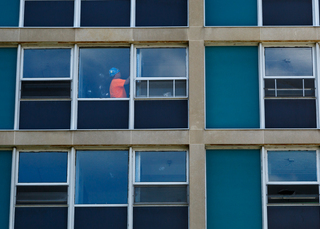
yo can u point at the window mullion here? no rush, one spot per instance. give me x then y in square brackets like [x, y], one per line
[130, 190]
[71, 192]
[77, 13]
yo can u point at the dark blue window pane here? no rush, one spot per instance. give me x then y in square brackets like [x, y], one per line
[103, 114]
[5, 187]
[36, 167]
[292, 166]
[161, 114]
[45, 89]
[49, 13]
[45, 114]
[101, 177]
[293, 217]
[94, 66]
[46, 63]
[160, 166]
[287, 12]
[41, 218]
[102, 13]
[100, 218]
[290, 113]
[160, 217]
[161, 12]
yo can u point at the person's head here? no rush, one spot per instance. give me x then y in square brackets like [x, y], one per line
[114, 72]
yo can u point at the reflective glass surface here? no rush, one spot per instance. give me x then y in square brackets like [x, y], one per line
[166, 166]
[45, 89]
[288, 62]
[181, 88]
[292, 166]
[43, 167]
[141, 88]
[94, 66]
[293, 194]
[161, 62]
[101, 177]
[46, 63]
[161, 88]
[160, 194]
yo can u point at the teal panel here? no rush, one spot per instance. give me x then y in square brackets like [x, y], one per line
[8, 59]
[9, 13]
[232, 87]
[231, 12]
[5, 184]
[233, 189]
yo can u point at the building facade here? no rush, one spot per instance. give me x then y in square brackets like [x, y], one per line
[217, 124]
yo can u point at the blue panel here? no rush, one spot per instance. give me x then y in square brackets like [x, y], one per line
[160, 217]
[49, 13]
[41, 218]
[161, 114]
[100, 218]
[161, 12]
[42, 167]
[46, 63]
[5, 185]
[233, 189]
[293, 217]
[103, 114]
[8, 60]
[101, 177]
[9, 13]
[45, 114]
[231, 12]
[101, 13]
[290, 113]
[232, 87]
[161, 166]
[292, 166]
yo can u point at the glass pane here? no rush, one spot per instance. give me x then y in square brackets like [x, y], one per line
[94, 78]
[181, 88]
[160, 194]
[100, 218]
[45, 89]
[42, 195]
[292, 166]
[49, 13]
[101, 177]
[309, 83]
[289, 93]
[287, 12]
[161, 88]
[101, 13]
[43, 167]
[288, 61]
[269, 83]
[293, 194]
[161, 62]
[43, 217]
[46, 63]
[161, 12]
[165, 166]
[289, 83]
[141, 87]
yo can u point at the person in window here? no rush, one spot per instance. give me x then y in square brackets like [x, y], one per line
[117, 89]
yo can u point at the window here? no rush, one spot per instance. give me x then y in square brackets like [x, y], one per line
[87, 189]
[41, 199]
[161, 88]
[289, 87]
[45, 89]
[98, 13]
[292, 187]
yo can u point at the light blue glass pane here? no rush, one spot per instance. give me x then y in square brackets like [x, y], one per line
[231, 12]
[288, 61]
[5, 187]
[9, 13]
[94, 66]
[292, 166]
[161, 62]
[233, 189]
[8, 62]
[46, 63]
[232, 87]
[160, 166]
[101, 177]
[43, 167]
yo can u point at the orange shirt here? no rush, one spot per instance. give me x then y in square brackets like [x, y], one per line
[117, 89]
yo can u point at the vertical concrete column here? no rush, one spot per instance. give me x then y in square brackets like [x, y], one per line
[196, 13]
[197, 213]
